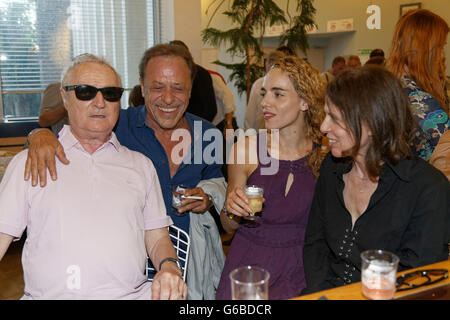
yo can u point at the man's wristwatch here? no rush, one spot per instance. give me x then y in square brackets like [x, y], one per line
[177, 262]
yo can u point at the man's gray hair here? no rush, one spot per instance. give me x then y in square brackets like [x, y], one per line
[82, 58]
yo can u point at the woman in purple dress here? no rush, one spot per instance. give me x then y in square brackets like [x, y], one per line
[285, 163]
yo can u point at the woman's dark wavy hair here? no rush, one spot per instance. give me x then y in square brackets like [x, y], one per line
[374, 96]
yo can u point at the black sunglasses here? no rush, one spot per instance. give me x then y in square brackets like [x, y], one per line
[405, 280]
[85, 92]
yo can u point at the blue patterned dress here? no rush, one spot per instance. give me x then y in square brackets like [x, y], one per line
[430, 116]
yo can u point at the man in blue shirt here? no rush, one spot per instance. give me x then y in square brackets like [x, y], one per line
[166, 75]
[173, 140]
[134, 132]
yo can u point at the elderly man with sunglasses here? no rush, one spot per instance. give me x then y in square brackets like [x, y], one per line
[89, 232]
[174, 140]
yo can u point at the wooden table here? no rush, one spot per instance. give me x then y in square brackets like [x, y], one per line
[5, 158]
[353, 291]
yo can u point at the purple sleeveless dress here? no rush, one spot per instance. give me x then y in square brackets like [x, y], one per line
[276, 242]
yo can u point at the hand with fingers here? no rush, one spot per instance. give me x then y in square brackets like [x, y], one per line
[43, 148]
[195, 205]
[169, 285]
[237, 203]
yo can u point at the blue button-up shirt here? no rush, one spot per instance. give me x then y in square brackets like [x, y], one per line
[133, 131]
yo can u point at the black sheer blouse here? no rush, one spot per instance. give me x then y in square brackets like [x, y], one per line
[408, 214]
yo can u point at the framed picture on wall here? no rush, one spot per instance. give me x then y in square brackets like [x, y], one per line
[404, 8]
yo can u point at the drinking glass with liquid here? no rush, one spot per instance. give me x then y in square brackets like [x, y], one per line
[378, 274]
[255, 200]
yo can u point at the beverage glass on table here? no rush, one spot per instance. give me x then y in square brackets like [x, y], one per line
[255, 200]
[378, 274]
[249, 283]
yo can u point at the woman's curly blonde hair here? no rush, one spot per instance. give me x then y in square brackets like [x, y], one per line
[310, 87]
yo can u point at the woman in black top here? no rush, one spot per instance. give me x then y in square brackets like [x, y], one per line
[371, 192]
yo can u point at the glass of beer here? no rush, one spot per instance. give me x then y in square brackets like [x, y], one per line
[378, 274]
[255, 200]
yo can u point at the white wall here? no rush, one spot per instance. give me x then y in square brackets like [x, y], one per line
[364, 38]
[323, 50]
[188, 19]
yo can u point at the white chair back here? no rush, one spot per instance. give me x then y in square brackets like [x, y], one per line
[181, 243]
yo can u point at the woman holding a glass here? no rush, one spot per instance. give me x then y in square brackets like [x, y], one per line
[285, 169]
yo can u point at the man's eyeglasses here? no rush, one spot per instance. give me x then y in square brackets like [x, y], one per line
[420, 278]
[85, 92]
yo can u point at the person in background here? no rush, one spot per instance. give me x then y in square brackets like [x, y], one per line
[292, 103]
[166, 73]
[224, 118]
[377, 61]
[353, 62]
[85, 239]
[417, 58]
[337, 66]
[440, 157]
[52, 112]
[136, 98]
[376, 53]
[202, 101]
[372, 192]
[254, 118]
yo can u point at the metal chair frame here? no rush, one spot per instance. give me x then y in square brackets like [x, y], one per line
[181, 242]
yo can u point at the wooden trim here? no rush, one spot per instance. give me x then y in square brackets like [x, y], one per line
[12, 142]
[353, 291]
[14, 150]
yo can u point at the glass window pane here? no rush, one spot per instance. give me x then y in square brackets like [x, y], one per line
[39, 37]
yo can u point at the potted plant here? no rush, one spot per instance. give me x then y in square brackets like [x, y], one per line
[250, 18]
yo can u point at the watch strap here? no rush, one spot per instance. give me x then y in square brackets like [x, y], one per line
[177, 262]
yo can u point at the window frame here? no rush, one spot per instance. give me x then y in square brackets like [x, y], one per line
[20, 126]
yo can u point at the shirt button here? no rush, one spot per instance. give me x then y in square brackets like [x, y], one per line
[344, 242]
